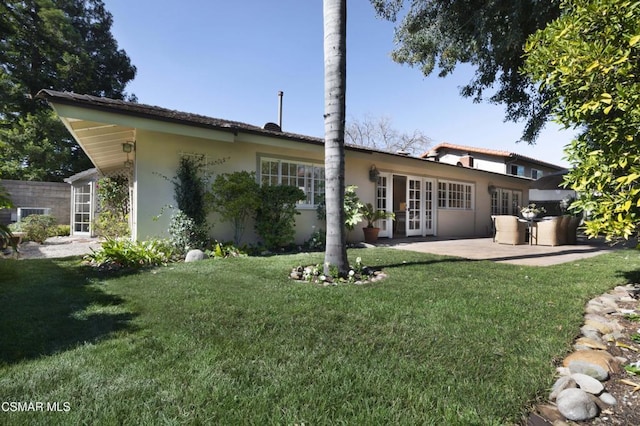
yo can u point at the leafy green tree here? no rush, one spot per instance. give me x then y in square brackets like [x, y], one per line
[52, 44]
[589, 59]
[235, 196]
[489, 35]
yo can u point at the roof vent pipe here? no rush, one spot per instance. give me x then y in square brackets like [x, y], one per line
[280, 94]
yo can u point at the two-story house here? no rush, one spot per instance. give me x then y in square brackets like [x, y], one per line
[506, 200]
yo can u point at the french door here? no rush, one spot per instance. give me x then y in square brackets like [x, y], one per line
[415, 216]
[384, 196]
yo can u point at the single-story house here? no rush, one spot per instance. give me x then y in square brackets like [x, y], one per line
[429, 198]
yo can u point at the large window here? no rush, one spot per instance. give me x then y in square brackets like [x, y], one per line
[455, 195]
[308, 177]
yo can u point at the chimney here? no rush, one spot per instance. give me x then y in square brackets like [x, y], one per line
[280, 95]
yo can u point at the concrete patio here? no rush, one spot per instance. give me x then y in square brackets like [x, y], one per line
[487, 249]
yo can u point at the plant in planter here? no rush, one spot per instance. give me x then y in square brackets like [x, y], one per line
[371, 215]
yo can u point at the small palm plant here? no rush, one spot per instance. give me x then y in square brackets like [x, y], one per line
[372, 215]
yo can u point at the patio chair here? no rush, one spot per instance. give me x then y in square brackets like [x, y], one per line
[509, 230]
[572, 230]
[548, 231]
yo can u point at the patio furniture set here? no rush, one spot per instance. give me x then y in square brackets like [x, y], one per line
[548, 231]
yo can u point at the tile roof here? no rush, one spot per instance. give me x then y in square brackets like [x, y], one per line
[491, 152]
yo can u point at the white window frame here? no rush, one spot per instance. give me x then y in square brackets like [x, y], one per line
[538, 173]
[520, 171]
[446, 189]
[312, 182]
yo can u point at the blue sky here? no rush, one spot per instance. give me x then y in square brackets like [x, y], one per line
[229, 59]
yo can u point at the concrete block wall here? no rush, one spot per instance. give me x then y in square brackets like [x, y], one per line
[53, 195]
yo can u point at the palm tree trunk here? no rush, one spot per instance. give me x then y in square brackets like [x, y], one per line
[335, 77]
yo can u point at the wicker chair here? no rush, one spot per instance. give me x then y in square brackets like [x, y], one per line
[547, 231]
[509, 230]
[572, 230]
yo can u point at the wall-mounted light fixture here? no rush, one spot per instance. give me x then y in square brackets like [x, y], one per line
[373, 173]
[127, 147]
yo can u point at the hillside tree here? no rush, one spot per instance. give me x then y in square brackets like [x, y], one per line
[379, 133]
[488, 35]
[63, 45]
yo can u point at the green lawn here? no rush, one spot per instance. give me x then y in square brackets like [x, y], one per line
[441, 341]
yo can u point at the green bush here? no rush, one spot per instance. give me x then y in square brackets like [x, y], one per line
[109, 225]
[235, 196]
[124, 253]
[275, 217]
[39, 227]
[62, 231]
[186, 234]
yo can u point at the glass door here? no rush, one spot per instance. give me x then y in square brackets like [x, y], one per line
[82, 209]
[383, 202]
[414, 206]
[428, 207]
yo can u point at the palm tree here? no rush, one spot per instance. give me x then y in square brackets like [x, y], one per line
[335, 81]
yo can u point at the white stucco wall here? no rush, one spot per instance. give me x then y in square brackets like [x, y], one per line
[157, 155]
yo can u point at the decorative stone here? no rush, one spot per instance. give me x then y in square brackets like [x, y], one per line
[565, 382]
[608, 399]
[550, 413]
[597, 364]
[587, 383]
[563, 371]
[576, 405]
[195, 255]
[589, 343]
[590, 332]
[602, 327]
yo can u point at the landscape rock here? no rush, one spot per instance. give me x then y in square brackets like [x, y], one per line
[597, 364]
[576, 405]
[195, 255]
[589, 343]
[588, 383]
[608, 399]
[565, 382]
[590, 332]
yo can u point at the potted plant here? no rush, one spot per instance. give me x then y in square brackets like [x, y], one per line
[531, 211]
[371, 215]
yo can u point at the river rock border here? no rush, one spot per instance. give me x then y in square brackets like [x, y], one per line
[580, 393]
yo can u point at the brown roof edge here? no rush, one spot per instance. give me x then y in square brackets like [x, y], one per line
[163, 114]
[494, 152]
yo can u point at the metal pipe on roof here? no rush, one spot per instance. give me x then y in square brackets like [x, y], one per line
[280, 95]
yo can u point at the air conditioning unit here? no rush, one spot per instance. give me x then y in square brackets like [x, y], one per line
[28, 211]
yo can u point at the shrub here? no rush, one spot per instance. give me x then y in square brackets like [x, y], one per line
[235, 196]
[109, 225]
[317, 241]
[38, 227]
[62, 231]
[275, 217]
[189, 187]
[186, 234]
[352, 208]
[124, 253]
[113, 195]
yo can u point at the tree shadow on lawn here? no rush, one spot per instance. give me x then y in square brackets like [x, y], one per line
[46, 308]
